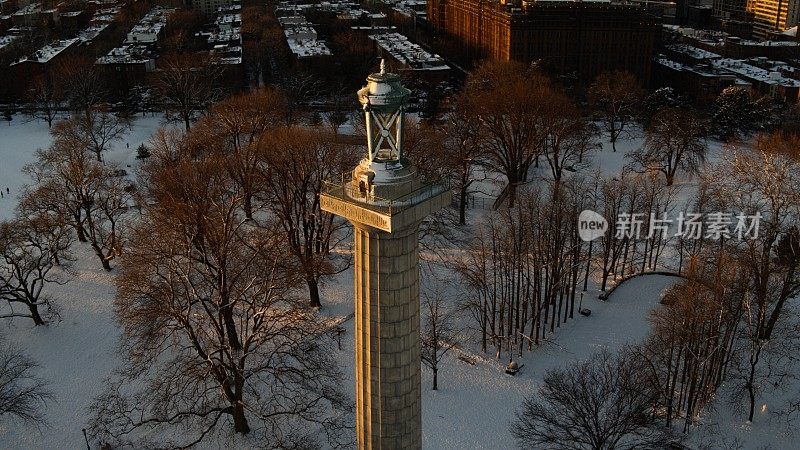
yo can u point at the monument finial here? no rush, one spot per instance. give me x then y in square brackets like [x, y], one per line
[383, 66]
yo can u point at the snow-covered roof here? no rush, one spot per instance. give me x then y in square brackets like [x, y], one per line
[702, 70]
[304, 48]
[228, 19]
[693, 52]
[409, 53]
[351, 14]
[106, 14]
[148, 29]
[302, 37]
[50, 51]
[743, 69]
[91, 32]
[32, 8]
[6, 40]
[127, 54]
[332, 6]
[410, 8]
[740, 67]
[222, 36]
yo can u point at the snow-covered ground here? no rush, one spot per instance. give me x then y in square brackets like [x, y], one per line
[473, 408]
[77, 351]
[20, 139]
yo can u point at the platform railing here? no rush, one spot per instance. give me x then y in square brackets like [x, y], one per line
[343, 189]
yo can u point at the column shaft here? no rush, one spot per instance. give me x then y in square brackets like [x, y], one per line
[388, 410]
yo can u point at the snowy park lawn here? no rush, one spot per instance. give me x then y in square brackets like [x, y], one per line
[476, 401]
[78, 351]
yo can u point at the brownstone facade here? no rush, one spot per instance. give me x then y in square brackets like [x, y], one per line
[584, 38]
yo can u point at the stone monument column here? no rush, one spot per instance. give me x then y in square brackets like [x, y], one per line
[385, 199]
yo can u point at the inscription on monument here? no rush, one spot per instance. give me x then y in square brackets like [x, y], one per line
[354, 213]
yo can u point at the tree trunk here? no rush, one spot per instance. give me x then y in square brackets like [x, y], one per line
[37, 318]
[313, 292]
[512, 193]
[462, 207]
[103, 260]
[435, 378]
[79, 228]
[248, 206]
[240, 424]
[751, 389]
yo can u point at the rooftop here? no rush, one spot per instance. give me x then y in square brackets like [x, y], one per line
[302, 37]
[739, 67]
[127, 54]
[91, 32]
[148, 29]
[106, 14]
[693, 52]
[50, 51]
[29, 9]
[6, 40]
[409, 53]
[751, 72]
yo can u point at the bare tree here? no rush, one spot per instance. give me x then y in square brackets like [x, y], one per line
[105, 217]
[522, 269]
[88, 196]
[81, 82]
[616, 96]
[64, 179]
[460, 154]
[438, 335]
[300, 88]
[675, 140]
[45, 100]
[297, 163]
[771, 256]
[569, 137]
[188, 85]
[505, 96]
[605, 402]
[31, 250]
[95, 130]
[216, 341]
[22, 393]
[234, 127]
[691, 345]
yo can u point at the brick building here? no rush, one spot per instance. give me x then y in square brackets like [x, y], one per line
[584, 38]
[773, 15]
